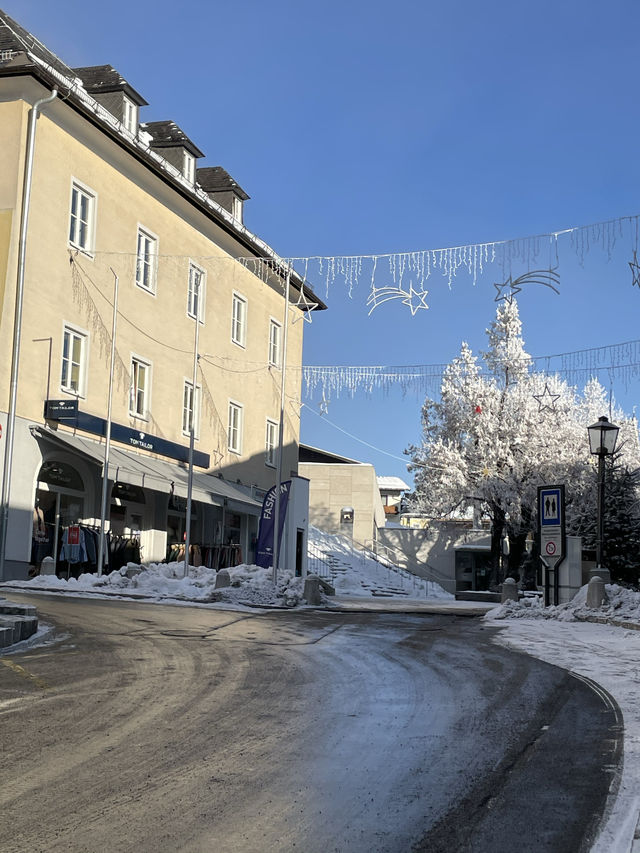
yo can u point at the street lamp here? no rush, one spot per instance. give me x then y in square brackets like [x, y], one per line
[602, 442]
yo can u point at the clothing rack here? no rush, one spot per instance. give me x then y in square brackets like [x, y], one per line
[210, 556]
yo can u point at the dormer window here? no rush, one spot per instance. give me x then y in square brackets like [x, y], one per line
[129, 115]
[236, 207]
[189, 167]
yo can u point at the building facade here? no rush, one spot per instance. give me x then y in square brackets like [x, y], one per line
[118, 211]
[343, 495]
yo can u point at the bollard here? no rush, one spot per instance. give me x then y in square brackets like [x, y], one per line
[596, 595]
[311, 592]
[222, 578]
[509, 590]
[47, 566]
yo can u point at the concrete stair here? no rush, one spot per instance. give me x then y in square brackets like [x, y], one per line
[17, 622]
[338, 567]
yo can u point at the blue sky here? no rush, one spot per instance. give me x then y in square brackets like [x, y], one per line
[370, 128]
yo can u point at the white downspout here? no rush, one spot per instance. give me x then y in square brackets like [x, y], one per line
[17, 324]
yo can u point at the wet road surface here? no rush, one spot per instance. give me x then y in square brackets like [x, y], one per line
[157, 728]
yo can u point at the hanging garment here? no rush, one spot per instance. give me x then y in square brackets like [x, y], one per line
[73, 552]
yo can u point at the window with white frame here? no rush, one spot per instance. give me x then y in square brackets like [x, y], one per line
[74, 357]
[235, 427]
[82, 217]
[140, 387]
[196, 292]
[236, 207]
[189, 167]
[275, 337]
[146, 260]
[271, 443]
[190, 409]
[239, 320]
[129, 115]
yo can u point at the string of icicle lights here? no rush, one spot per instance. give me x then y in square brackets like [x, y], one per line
[415, 268]
[619, 362]
[410, 272]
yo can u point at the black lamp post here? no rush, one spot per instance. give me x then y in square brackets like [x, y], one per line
[602, 442]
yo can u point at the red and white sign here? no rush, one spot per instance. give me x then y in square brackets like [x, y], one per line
[550, 548]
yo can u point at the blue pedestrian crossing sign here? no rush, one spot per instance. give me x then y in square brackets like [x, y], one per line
[551, 519]
[550, 507]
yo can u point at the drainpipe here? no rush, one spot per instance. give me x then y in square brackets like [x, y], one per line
[17, 324]
[283, 385]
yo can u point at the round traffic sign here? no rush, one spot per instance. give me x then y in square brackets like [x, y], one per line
[550, 548]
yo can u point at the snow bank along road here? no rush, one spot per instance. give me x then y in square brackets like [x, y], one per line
[157, 728]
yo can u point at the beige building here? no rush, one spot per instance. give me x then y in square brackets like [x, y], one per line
[343, 495]
[113, 201]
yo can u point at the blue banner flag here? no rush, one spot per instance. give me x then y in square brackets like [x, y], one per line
[264, 545]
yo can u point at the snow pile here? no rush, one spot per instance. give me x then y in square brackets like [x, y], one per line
[251, 585]
[622, 605]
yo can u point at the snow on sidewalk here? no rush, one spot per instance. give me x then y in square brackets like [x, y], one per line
[608, 655]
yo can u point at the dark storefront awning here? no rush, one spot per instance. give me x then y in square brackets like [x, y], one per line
[149, 473]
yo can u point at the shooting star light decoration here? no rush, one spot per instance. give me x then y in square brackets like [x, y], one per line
[548, 278]
[415, 299]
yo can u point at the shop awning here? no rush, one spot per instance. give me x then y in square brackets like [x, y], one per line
[150, 473]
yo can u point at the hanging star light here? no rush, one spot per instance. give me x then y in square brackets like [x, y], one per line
[546, 400]
[306, 307]
[324, 405]
[635, 269]
[548, 278]
[217, 457]
[415, 299]
[506, 297]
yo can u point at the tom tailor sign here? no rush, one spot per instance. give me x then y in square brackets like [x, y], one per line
[125, 435]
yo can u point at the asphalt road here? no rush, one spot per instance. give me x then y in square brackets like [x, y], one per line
[156, 728]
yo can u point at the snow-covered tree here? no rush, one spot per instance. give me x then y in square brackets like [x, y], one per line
[498, 433]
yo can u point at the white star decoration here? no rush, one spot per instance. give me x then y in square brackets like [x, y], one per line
[305, 305]
[546, 400]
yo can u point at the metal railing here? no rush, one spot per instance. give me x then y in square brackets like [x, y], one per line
[318, 562]
[325, 564]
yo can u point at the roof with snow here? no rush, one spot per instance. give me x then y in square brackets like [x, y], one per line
[392, 484]
[167, 134]
[15, 40]
[215, 179]
[104, 78]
